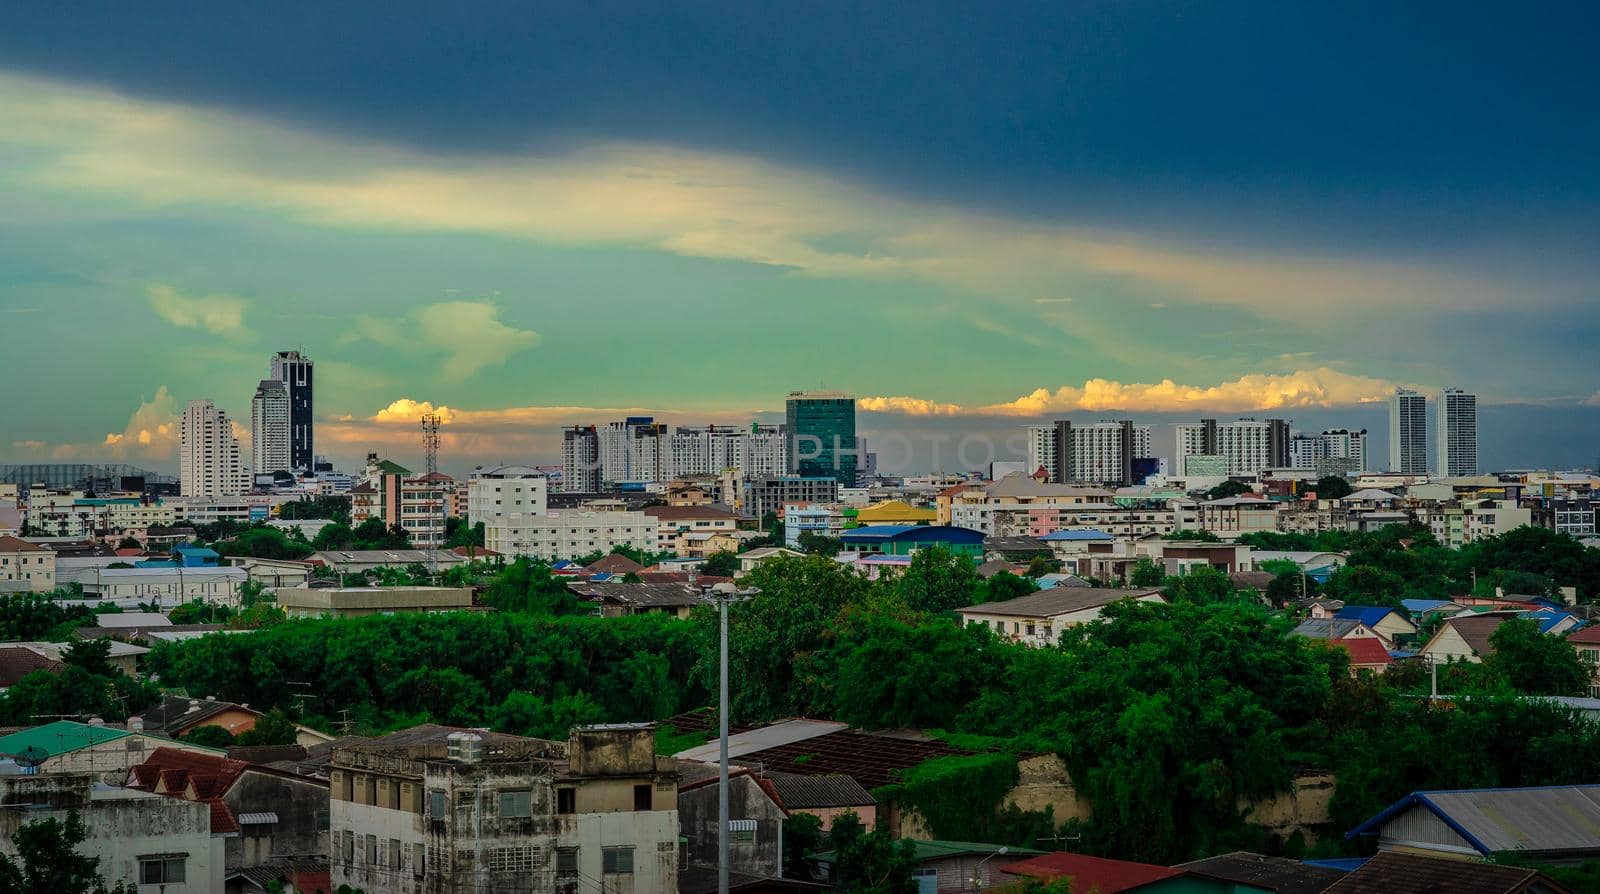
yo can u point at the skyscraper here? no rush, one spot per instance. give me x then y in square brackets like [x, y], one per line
[294, 371]
[1102, 452]
[1458, 433]
[1247, 445]
[1408, 433]
[208, 454]
[822, 433]
[269, 428]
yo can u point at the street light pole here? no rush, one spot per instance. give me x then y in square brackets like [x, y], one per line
[722, 594]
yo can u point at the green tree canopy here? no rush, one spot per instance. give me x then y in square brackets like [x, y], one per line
[1534, 663]
[937, 580]
[48, 861]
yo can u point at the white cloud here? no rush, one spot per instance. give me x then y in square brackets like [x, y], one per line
[1592, 400]
[468, 334]
[217, 314]
[700, 204]
[1321, 387]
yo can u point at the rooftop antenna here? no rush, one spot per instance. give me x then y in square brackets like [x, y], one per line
[430, 441]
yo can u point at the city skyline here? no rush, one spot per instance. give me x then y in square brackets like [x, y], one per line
[1143, 230]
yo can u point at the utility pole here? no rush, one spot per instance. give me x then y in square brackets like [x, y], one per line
[722, 594]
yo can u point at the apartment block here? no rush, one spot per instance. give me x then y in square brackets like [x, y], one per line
[569, 533]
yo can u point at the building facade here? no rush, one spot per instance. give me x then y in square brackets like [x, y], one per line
[1102, 452]
[1457, 442]
[769, 494]
[494, 492]
[270, 439]
[1408, 432]
[822, 432]
[208, 453]
[24, 561]
[580, 459]
[1314, 452]
[295, 371]
[1247, 445]
[569, 533]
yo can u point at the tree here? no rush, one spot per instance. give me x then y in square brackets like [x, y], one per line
[332, 508]
[937, 580]
[129, 543]
[1332, 487]
[263, 543]
[1039, 566]
[1534, 663]
[48, 861]
[1366, 585]
[93, 656]
[1203, 585]
[802, 837]
[1228, 488]
[458, 533]
[907, 670]
[1146, 573]
[272, 728]
[1002, 586]
[211, 736]
[869, 862]
[819, 545]
[722, 563]
[1199, 536]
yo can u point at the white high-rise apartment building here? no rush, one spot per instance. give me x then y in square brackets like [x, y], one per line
[1408, 433]
[580, 459]
[764, 450]
[1102, 452]
[711, 449]
[1042, 449]
[1247, 445]
[503, 490]
[269, 428]
[633, 449]
[1458, 433]
[1306, 451]
[208, 454]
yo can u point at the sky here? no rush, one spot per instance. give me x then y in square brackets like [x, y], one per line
[971, 216]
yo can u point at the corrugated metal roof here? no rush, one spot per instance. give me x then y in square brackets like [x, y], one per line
[800, 792]
[1058, 601]
[1546, 818]
[750, 741]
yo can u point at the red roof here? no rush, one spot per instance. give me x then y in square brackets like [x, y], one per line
[472, 551]
[9, 544]
[1590, 634]
[1092, 873]
[613, 563]
[222, 818]
[1365, 651]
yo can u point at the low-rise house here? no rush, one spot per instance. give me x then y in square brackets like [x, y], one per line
[28, 562]
[120, 655]
[166, 586]
[1587, 643]
[619, 599]
[675, 523]
[272, 814]
[1336, 629]
[1465, 638]
[1315, 563]
[749, 559]
[895, 512]
[276, 572]
[18, 661]
[1231, 517]
[949, 867]
[433, 808]
[66, 746]
[615, 564]
[1389, 623]
[1558, 824]
[1069, 543]
[824, 797]
[176, 716]
[150, 842]
[1251, 872]
[351, 602]
[1103, 876]
[755, 819]
[359, 561]
[1039, 618]
[1015, 548]
[903, 540]
[1367, 654]
[1397, 873]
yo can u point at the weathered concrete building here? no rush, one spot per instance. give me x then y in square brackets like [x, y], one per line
[433, 810]
[151, 842]
[350, 602]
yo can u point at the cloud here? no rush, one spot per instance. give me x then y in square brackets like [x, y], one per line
[29, 445]
[468, 334]
[1321, 387]
[151, 432]
[1592, 400]
[216, 314]
[700, 204]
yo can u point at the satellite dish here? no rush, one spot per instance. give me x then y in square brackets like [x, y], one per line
[31, 757]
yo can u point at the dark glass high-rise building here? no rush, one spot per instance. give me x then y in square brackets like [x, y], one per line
[822, 436]
[295, 372]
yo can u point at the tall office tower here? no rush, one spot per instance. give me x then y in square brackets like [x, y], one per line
[1246, 445]
[1102, 453]
[1408, 433]
[1458, 433]
[270, 449]
[822, 435]
[1042, 450]
[208, 454]
[580, 459]
[294, 371]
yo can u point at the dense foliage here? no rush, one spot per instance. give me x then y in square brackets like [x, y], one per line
[48, 861]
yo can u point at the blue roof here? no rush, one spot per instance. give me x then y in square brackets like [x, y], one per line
[155, 563]
[204, 552]
[912, 533]
[1548, 619]
[1343, 864]
[1366, 614]
[1090, 534]
[600, 576]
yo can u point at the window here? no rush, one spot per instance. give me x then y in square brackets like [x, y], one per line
[516, 804]
[162, 869]
[394, 853]
[616, 861]
[135, 743]
[742, 831]
[349, 846]
[372, 850]
[418, 862]
[437, 805]
[566, 862]
[566, 801]
[641, 797]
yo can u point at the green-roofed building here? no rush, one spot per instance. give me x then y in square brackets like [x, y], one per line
[66, 746]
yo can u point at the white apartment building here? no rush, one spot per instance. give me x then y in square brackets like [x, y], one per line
[1101, 452]
[1457, 442]
[433, 809]
[1042, 449]
[269, 427]
[569, 533]
[1307, 451]
[580, 459]
[494, 492]
[165, 586]
[208, 453]
[633, 449]
[208, 510]
[711, 449]
[1408, 432]
[1247, 445]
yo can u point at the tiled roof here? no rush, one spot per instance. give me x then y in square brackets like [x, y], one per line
[1093, 873]
[1476, 630]
[1058, 601]
[10, 544]
[869, 759]
[1365, 650]
[17, 662]
[801, 792]
[1590, 635]
[654, 595]
[1392, 873]
[1276, 874]
[614, 563]
[215, 770]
